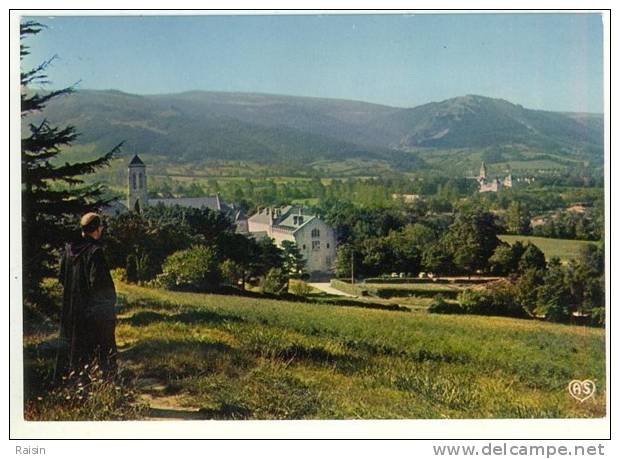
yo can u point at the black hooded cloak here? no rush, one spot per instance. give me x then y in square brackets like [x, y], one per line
[88, 318]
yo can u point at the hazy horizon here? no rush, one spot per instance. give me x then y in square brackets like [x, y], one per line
[249, 93]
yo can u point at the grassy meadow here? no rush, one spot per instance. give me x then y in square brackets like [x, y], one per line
[564, 249]
[226, 357]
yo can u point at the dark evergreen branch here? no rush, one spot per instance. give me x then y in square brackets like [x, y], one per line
[89, 166]
[45, 138]
[30, 28]
[40, 176]
[36, 101]
[39, 157]
[46, 199]
[35, 74]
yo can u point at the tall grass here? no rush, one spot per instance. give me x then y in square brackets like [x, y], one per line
[249, 358]
[84, 395]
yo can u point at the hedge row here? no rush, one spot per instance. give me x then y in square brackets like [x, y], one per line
[396, 292]
[364, 290]
[417, 280]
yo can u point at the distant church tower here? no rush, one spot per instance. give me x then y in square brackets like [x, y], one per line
[483, 171]
[136, 184]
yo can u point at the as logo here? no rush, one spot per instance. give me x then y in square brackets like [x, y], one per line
[581, 390]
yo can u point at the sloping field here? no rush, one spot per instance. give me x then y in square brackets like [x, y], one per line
[564, 249]
[243, 358]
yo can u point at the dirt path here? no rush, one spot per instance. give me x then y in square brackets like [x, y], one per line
[327, 288]
[165, 407]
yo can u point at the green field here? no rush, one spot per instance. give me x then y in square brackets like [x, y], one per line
[564, 249]
[225, 357]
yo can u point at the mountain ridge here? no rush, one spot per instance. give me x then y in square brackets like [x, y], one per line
[323, 98]
[261, 127]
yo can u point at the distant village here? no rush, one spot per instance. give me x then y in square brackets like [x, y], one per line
[317, 241]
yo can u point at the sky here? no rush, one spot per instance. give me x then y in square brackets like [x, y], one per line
[541, 61]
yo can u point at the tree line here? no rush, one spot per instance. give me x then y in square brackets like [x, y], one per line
[381, 242]
[517, 208]
[193, 249]
[534, 288]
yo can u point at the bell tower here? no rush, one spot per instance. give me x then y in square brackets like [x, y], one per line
[483, 171]
[136, 184]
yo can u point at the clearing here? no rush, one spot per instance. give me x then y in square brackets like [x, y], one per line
[564, 249]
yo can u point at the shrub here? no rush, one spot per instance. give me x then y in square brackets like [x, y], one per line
[143, 267]
[503, 261]
[231, 272]
[532, 258]
[554, 296]
[194, 269]
[274, 281]
[44, 314]
[526, 290]
[300, 288]
[49, 301]
[475, 302]
[598, 316]
[119, 274]
[441, 306]
[496, 299]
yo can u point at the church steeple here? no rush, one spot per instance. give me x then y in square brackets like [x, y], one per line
[136, 161]
[483, 171]
[137, 197]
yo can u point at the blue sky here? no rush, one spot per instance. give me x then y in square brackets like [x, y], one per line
[543, 61]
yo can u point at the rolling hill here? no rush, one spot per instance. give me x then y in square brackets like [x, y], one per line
[199, 125]
[477, 122]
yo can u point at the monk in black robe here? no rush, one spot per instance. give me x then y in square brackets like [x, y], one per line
[88, 319]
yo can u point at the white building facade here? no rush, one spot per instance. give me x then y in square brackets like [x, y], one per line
[315, 239]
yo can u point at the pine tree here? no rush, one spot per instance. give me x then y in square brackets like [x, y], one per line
[53, 195]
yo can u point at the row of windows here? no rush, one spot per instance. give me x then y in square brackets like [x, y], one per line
[316, 245]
